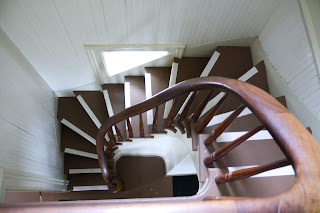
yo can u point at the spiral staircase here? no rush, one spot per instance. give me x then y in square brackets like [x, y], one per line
[209, 117]
[153, 136]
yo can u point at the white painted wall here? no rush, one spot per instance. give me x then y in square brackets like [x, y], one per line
[278, 87]
[29, 153]
[51, 34]
[285, 41]
[310, 10]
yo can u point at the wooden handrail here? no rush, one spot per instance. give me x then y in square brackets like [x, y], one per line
[223, 126]
[227, 148]
[224, 198]
[245, 173]
[295, 141]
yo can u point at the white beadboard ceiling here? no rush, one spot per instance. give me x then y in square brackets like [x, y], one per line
[52, 33]
[286, 43]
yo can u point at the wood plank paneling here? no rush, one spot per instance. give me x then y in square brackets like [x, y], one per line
[51, 34]
[29, 146]
[285, 41]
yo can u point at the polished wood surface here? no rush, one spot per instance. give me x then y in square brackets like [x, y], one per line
[187, 107]
[227, 148]
[120, 138]
[225, 124]
[201, 106]
[245, 173]
[141, 127]
[170, 115]
[130, 132]
[223, 198]
[111, 137]
[155, 120]
[295, 141]
[212, 112]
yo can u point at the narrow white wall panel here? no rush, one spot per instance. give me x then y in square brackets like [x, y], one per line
[51, 34]
[286, 43]
[27, 124]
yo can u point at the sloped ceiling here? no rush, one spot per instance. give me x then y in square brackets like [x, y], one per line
[51, 33]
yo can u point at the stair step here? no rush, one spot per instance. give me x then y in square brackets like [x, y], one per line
[260, 79]
[72, 140]
[70, 109]
[159, 80]
[116, 96]
[244, 122]
[233, 63]
[150, 176]
[95, 101]
[189, 67]
[252, 152]
[137, 94]
[78, 162]
[90, 179]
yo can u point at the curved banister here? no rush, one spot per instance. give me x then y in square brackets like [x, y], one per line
[296, 142]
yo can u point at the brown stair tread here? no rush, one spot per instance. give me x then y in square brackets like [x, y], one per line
[159, 81]
[72, 140]
[251, 152]
[70, 109]
[233, 62]
[260, 79]
[243, 123]
[78, 162]
[116, 95]
[137, 95]
[95, 101]
[188, 68]
[153, 171]
[90, 179]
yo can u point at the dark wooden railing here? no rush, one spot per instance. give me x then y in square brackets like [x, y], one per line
[226, 148]
[244, 173]
[201, 106]
[130, 132]
[296, 142]
[300, 148]
[203, 123]
[223, 126]
[141, 127]
[155, 121]
[120, 138]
